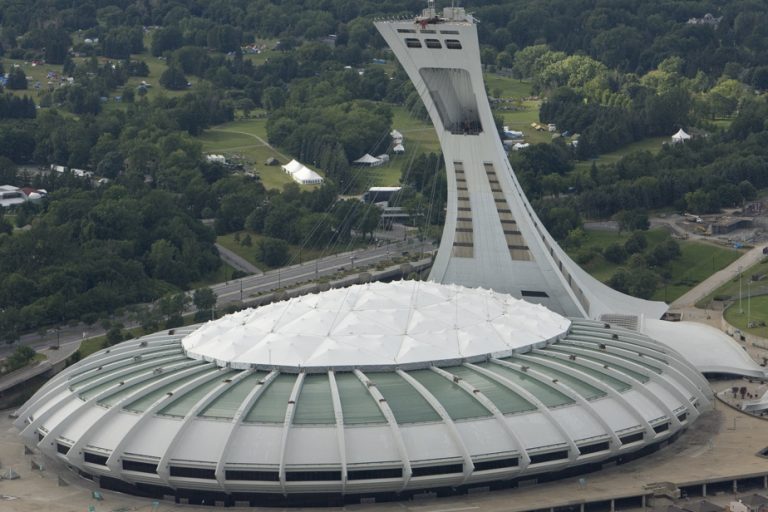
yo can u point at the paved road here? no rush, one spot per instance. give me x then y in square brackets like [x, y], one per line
[242, 289]
[718, 279]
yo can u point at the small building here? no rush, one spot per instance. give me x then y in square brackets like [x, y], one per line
[219, 159]
[11, 196]
[381, 194]
[399, 149]
[726, 225]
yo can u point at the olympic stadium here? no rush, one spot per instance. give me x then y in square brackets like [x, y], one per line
[508, 366]
[377, 390]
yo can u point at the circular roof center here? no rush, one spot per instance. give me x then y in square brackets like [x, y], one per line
[404, 324]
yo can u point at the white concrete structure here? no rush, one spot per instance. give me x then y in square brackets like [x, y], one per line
[492, 237]
[708, 349]
[372, 389]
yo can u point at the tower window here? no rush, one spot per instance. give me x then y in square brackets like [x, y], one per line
[412, 42]
[453, 44]
[433, 43]
[406, 31]
[533, 293]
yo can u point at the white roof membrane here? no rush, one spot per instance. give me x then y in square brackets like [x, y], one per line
[407, 323]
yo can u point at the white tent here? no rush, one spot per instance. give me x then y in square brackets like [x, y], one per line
[398, 149]
[292, 166]
[301, 173]
[369, 160]
[396, 134]
[307, 176]
[680, 136]
[383, 157]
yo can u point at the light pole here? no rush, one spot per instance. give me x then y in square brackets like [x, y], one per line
[749, 302]
[741, 308]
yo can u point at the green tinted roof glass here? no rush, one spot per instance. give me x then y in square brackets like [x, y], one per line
[315, 405]
[143, 403]
[505, 399]
[578, 385]
[357, 405]
[125, 391]
[406, 403]
[458, 403]
[273, 402]
[548, 395]
[184, 404]
[226, 404]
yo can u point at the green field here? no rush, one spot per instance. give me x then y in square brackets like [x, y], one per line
[697, 261]
[753, 310]
[246, 140]
[730, 290]
[506, 87]
[652, 144]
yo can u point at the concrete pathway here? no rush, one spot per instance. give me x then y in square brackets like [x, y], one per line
[238, 261]
[717, 279]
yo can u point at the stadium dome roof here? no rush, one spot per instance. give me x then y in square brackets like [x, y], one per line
[405, 324]
[529, 392]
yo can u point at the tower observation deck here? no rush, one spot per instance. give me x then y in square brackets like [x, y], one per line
[492, 237]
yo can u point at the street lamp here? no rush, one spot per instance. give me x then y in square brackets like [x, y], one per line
[741, 308]
[749, 302]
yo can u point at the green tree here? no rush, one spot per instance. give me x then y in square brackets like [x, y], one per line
[615, 253]
[204, 300]
[17, 79]
[173, 79]
[636, 243]
[273, 251]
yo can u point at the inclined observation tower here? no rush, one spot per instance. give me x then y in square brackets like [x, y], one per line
[492, 237]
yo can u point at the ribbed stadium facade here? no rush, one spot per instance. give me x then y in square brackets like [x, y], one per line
[376, 391]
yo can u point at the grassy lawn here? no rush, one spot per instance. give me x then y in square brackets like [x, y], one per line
[418, 135]
[730, 290]
[753, 310]
[521, 120]
[247, 140]
[507, 86]
[599, 267]
[652, 144]
[697, 260]
[296, 253]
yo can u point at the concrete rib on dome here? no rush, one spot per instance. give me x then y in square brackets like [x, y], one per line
[405, 324]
